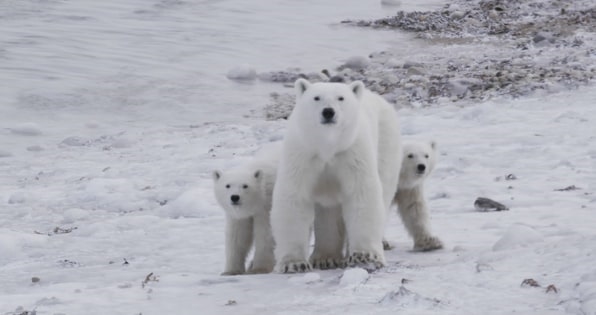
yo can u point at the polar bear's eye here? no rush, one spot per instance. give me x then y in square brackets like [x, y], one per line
[410, 156]
[426, 156]
[244, 186]
[317, 98]
[341, 98]
[228, 186]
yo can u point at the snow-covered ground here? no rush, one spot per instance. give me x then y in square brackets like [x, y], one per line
[106, 202]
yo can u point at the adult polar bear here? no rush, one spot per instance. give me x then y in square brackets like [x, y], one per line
[341, 156]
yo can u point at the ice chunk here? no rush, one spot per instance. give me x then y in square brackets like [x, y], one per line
[26, 129]
[354, 276]
[242, 73]
[307, 278]
[517, 236]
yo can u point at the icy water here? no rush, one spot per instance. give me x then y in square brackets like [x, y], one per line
[166, 60]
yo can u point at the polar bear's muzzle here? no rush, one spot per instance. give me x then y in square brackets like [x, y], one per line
[327, 116]
[420, 169]
[235, 200]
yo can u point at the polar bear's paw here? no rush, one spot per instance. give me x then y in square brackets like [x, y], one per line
[232, 273]
[294, 266]
[427, 243]
[368, 261]
[324, 263]
[258, 270]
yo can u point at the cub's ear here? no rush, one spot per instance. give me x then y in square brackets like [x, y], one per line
[301, 85]
[258, 174]
[357, 88]
[216, 175]
[433, 144]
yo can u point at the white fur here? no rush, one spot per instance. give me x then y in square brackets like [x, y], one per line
[412, 205]
[248, 221]
[346, 169]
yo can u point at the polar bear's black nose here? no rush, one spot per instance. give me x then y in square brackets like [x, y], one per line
[421, 167]
[235, 198]
[328, 113]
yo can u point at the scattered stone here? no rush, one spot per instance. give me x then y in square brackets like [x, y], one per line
[528, 59]
[281, 106]
[231, 302]
[149, 278]
[551, 288]
[529, 283]
[35, 279]
[568, 188]
[485, 204]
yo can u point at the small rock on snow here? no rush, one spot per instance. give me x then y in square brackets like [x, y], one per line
[485, 204]
[5, 154]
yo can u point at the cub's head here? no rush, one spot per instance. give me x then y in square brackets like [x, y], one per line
[239, 191]
[418, 162]
[327, 104]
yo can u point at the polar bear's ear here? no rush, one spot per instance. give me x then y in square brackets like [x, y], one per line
[301, 85]
[216, 175]
[357, 88]
[433, 144]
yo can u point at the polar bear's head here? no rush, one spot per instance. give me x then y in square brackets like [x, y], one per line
[239, 191]
[328, 111]
[418, 162]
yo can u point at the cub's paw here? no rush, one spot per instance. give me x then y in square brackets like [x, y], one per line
[428, 243]
[368, 261]
[294, 266]
[327, 263]
[232, 272]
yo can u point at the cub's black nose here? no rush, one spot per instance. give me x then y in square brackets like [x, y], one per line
[421, 167]
[235, 198]
[328, 113]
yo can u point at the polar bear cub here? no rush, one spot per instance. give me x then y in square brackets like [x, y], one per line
[419, 160]
[244, 192]
[338, 157]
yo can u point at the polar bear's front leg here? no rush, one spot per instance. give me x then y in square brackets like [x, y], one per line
[364, 217]
[238, 243]
[413, 210]
[263, 261]
[329, 238]
[291, 221]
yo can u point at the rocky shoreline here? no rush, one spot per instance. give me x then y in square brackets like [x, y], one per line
[474, 50]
